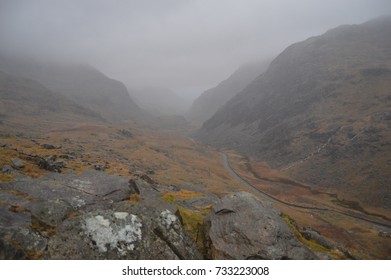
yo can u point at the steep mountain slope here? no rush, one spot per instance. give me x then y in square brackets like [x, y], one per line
[24, 98]
[206, 105]
[83, 84]
[320, 113]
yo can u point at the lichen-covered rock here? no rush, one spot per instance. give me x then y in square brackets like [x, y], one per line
[89, 216]
[107, 234]
[242, 227]
[170, 230]
[119, 232]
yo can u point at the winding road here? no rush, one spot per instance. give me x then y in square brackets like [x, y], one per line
[227, 166]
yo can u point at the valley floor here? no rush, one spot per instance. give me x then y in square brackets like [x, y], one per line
[170, 159]
[358, 231]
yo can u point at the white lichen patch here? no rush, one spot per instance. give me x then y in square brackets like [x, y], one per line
[118, 232]
[77, 202]
[167, 219]
[121, 215]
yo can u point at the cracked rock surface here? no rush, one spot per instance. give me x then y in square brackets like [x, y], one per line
[89, 216]
[242, 227]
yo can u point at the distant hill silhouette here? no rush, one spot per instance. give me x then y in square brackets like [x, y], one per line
[83, 84]
[206, 105]
[25, 98]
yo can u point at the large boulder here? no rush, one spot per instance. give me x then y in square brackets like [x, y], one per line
[242, 227]
[106, 234]
[89, 216]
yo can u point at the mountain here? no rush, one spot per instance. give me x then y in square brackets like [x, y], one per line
[160, 101]
[83, 84]
[25, 98]
[206, 105]
[320, 113]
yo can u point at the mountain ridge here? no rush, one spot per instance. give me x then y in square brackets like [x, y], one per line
[206, 105]
[83, 84]
[319, 112]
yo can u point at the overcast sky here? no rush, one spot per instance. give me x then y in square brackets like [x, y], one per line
[180, 44]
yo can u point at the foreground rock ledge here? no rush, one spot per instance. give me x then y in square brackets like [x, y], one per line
[89, 216]
[242, 227]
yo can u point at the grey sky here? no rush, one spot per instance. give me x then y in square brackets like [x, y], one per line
[184, 45]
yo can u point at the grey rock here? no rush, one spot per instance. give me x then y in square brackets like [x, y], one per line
[7, 169]
[122, 235]
[32, 243]
[17, 163]
[386, 116]
[103, 224]
[311, 234]
[133, 186]
[243, 227]
[100, 167]
[11, 221]
[52, 164]
[50, 213]
[9, 251]
[48, 146]
[78, 190]
[118, 231]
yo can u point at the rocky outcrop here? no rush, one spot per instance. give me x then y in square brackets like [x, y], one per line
[107, 234]
[95, 215]
[51, 163]
[89, 216]
[242, 227]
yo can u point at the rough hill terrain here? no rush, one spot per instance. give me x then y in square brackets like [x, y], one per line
[320, 113]
[84, 85]
[206, 105]
[99, 192]
[24, 98]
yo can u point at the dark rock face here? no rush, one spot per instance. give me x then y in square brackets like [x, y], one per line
[88, 216]
[242, 227]
[52, 164]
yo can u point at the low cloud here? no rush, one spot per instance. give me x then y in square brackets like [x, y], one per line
[182, 45]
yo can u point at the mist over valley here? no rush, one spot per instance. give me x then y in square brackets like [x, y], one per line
[195, 129]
